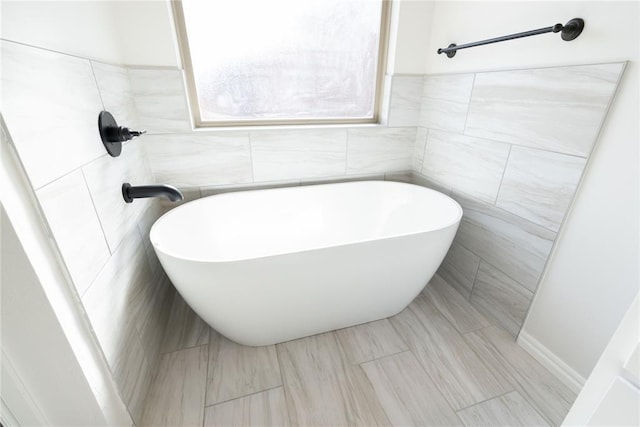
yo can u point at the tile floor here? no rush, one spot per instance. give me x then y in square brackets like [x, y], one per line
[437, 363]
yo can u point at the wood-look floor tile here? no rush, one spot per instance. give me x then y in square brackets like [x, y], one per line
[456, 370]
[267, 408]
[323, 388]
[237, 370]
[369, 341]
[176, 397]
[535, 383]
[185, 328]
[509, 410]
[407, 394]
[456, 308]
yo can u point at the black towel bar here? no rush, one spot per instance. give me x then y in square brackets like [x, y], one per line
[569, 31]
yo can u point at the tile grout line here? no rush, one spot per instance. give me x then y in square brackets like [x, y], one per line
[514, 382]
[284, 389]
[95, 79]
[95, 211]
[453, 289]
[475, 277]
[386, 355]
[424, 152]
[418, 359]
[487, 400]
[482, 362]
[242, 397]
[504, 172]
[206, 379]
[466, 118]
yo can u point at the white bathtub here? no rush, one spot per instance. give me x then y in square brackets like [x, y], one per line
[267, 266]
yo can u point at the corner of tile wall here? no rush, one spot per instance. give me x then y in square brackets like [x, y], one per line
[492, 141]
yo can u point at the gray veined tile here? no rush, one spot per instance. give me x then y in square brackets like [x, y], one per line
[498, 296]
[134, 375]
[419, 149]
[115, 91]
[176, 397]
[157, 272]
[298, 154]
[454, 367]
[380, 149]
[454, 307]
[160, 100]
[185, 328]
[212, 191]
[344, 178]
[237, 370]
[515, 246]
[370, 341]
[117, 303]
[118, 296]
[72, 219]
[449, 87]
[423, 181]
[404, 109]
[508, 410]
[459, 268]
[58, 93]
[407, 394]
[559, 109]
[147, 218]
[443, 115]
[445, 101]
[204, 159]
[469, 165]
[267, 408]
[105, 177]
[152, 325]
[322, 388]
[539, 185]
[537, 385]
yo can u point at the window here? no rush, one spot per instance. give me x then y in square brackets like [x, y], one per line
[260, 62]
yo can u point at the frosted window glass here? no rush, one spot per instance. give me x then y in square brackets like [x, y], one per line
[284, 60]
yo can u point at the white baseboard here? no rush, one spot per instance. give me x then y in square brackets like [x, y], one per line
[553, 363]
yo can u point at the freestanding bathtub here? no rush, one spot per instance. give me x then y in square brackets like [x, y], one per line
[268, 266]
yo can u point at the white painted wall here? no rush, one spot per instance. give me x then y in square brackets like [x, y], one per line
[592, 275]
[409, 36]
[141, 32]
[117, 32]
[598, 403]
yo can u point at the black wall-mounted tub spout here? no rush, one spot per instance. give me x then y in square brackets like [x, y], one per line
[170, 192]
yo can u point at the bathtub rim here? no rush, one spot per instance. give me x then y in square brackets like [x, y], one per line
[456, 221]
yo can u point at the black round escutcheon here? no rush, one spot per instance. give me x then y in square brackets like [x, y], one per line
[106, 126]
[572, 29]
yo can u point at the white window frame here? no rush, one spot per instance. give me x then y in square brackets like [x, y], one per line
[192, 95]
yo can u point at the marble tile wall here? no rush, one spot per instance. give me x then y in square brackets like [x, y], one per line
[50, 104]
[510, 147]
[212, 158]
